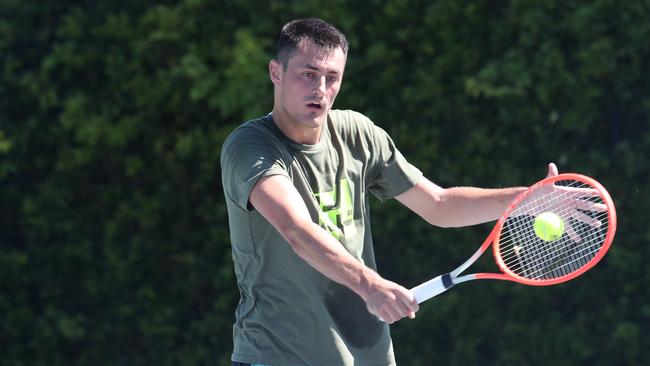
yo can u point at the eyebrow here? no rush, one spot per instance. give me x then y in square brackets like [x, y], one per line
[312, 67]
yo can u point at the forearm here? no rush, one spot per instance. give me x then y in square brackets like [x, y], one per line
[318, 248]
[279, 202]
[464, 206]
[457, 206]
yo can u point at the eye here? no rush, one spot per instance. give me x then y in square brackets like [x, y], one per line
[308, 74]
[332, 78]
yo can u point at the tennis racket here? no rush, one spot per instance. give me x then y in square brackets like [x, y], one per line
[589, 219]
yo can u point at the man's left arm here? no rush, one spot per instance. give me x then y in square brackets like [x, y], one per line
[460, 206]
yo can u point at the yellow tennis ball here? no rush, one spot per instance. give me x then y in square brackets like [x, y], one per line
[549, 226]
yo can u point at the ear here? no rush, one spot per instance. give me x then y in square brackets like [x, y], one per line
[275, 71]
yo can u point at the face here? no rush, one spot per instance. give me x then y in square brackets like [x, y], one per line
[306, 90]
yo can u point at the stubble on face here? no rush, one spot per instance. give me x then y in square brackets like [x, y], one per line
[307, 90]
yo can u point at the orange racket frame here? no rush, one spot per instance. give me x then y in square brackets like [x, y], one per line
[443, 282]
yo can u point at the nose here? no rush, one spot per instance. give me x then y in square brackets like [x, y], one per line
[319, 88]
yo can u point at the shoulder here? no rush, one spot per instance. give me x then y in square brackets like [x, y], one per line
[253, 129]
[254, 144]
[257, 132]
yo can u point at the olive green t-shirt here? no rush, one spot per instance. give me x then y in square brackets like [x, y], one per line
[289, 313]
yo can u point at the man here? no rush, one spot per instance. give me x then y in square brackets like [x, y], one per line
[296, 184]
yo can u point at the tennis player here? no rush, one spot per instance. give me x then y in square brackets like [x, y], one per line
[297, 183]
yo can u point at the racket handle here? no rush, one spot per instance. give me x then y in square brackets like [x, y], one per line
[432, 288]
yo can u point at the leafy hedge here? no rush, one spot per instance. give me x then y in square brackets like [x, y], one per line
[114, 232]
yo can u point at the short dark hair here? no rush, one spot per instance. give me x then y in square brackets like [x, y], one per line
[317, 30]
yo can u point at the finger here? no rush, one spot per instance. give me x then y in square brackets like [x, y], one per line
[413, 306]
[572, 234]
[404, 309]
[589, 205]
[552, 170]
[410, 310]
[583, 217]
[392, 315]
[409, 304]
[578, 191]
[382, 315]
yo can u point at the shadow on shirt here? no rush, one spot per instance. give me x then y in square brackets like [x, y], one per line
[357, 326]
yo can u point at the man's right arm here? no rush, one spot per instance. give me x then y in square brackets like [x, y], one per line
[277, 200]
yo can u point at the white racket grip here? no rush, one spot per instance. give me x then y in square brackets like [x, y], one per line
[432, 288]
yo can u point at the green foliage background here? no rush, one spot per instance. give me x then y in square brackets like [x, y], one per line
[113, 241]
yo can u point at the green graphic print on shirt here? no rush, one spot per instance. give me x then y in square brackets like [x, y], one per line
[337, 219]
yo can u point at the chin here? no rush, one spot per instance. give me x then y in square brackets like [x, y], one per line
[315, 121]
[321, 119]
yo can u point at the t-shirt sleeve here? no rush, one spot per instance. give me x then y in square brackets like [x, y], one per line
[391, 174]
[247, 156]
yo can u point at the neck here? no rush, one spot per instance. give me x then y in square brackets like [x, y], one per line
[294, 130]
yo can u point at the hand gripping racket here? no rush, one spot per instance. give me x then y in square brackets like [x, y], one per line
[589, 217]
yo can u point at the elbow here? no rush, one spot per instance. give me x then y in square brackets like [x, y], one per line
[446, 212]
[439, 214]
[442, 222]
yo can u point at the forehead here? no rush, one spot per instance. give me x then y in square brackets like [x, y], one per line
[310, 55]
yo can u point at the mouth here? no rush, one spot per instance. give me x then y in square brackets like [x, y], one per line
[315, 106]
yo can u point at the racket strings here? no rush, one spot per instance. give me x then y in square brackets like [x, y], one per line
[559, 259]
[526, 255]
[546, 261]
